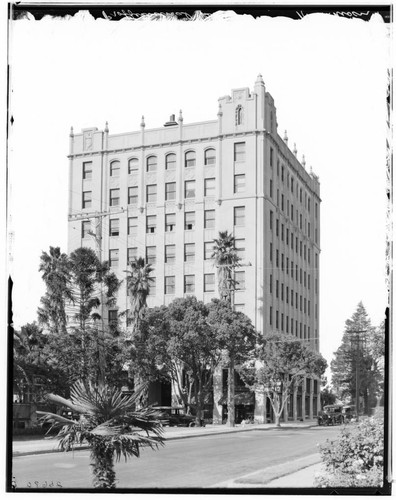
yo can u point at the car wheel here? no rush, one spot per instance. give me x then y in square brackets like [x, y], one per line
[191, 424]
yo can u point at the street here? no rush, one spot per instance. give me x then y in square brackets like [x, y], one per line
[186, 463]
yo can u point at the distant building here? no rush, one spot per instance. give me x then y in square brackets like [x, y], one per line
[165, 193]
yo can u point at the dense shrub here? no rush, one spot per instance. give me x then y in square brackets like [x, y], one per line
[355, 459]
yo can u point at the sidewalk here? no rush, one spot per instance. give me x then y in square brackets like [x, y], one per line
[21, 447]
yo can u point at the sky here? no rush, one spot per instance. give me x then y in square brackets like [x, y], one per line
[327, 75]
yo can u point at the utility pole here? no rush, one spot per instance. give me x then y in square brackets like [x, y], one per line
[97, 235]
[356, 339]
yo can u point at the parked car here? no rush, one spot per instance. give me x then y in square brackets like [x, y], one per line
[349, 413]
[331, 415]
[175, 416]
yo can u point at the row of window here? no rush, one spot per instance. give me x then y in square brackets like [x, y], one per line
[280, 172]
[170, 222]
[170, 191]
[170, 254]
[190, 160]
[306, 227]
[305, 252]
[282, 292]
[288, 325]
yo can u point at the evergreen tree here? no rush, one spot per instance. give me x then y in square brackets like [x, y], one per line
[354, 365]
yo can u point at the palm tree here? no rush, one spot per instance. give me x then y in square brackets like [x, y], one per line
[226, 259]
[55, 267]
[109, 423]
[138, 284]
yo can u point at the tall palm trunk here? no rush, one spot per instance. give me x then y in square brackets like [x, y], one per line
[231, 393]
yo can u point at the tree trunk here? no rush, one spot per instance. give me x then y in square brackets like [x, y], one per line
[277, 419]
[231, 394]
[102, 465]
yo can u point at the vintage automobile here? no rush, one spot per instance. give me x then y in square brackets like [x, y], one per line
[331, 415]
[175, 416]
[349, 413]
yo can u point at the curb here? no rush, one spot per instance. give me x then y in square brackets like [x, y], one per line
[172, 438]
[264, 477]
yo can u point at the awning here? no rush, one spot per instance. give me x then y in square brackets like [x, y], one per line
[241, 398]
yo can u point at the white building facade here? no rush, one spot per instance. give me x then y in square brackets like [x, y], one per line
[164, 194]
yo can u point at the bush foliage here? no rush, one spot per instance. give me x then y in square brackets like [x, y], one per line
[355, 459]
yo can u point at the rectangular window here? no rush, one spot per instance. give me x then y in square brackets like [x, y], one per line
[239, 151]
[271, 157]
[132, 226]
[309, 229]
[114, 197]
[189, 252]
[209, 219]
[282, 291]
[270, 188]
[287, 295]
[170, 222]
[283, 173]
[151, 254]
[239, 216]
[271, 219]
[169, 285]
[189, 283]
[277, 227]
[277, 289]
[132, 254]
[239, 280]
[209, 282]
[153, 286]
[189, 189]
[170, 162]
[277, 168]
[114, 227]
[133, 195]
[291, 298]
[170, 254]
[270, 316]
[113, 258]
[270, 283]
[170, 191]
[189, 221]
[270, 252]
[151, 193]
[87, 199]
[282, 202]
[287, 265]
[277, 258]
[292, 269]
[287, 236]
[87, 170]
[277, 319]
[239, 183]
[240, 248]
[151, 223]
[283, 262]
[210, 187]
[208, 250]
[291, 240]
[282, 231]
[85, 228]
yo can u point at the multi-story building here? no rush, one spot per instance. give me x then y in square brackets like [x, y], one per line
[165, 193]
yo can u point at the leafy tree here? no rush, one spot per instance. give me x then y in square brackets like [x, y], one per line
[236, 337]
[226, 259]
[109, 424]
[356, 360]
[281, 364]
[29, 362]
[78, 342]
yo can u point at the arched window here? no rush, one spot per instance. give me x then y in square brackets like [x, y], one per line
[151, 164]
[239, 115]
[170, 161]
[189, 159]
[210, 156]
[133, 165]
[115, 168]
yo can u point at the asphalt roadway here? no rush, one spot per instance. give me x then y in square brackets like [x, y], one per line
[213, 461]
